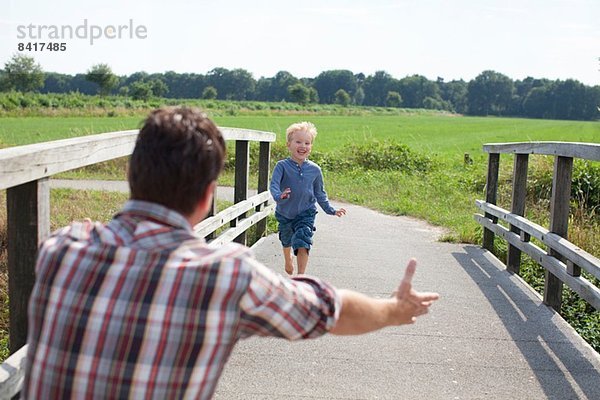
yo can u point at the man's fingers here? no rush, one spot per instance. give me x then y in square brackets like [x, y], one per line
[405, 283]
[427, 296]
[410, 271]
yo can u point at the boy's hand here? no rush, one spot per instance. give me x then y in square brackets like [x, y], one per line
[286, 193]
[340, 212]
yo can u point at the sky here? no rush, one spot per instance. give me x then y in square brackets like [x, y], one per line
[451, 39]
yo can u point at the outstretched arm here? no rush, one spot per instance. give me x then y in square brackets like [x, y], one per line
[361, 314]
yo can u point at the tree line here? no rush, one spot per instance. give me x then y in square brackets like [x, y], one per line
[490, 93]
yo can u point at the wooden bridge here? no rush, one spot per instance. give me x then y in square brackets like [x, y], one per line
[490, 336]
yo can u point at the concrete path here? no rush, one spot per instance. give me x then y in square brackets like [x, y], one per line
[488, 337]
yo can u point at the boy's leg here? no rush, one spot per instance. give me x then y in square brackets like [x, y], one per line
[302, 238]
[286, 231]
[302, 257]
[287, 257]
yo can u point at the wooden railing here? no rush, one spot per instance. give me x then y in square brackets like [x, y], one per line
[24, 173]
[563, 261]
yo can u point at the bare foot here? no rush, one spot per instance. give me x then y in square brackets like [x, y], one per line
[289, 269]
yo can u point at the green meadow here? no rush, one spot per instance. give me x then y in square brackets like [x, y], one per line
[444, 195]
[442, 134]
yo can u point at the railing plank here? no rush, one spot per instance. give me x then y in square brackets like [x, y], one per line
[12, 373]
[23, 164]
[578, 284]
[586, 151]
[28, 223]
[210, 224]
[519, 192]
[27, 163]
[240, 192]
[559, 223]
[491, 192]
[585, 260]
[264, 165]
[230, 234]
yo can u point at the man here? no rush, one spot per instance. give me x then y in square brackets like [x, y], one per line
[143, 308]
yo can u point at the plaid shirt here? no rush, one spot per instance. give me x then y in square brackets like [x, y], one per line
[142, 308]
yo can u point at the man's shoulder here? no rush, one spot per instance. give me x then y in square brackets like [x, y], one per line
[215, 253]
[76, 231]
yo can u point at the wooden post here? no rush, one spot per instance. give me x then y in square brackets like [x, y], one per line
[240, 193]
[28, 223]
[490, 196]
[559, 223]
[211, 212]
[519, 192]
[263, 184]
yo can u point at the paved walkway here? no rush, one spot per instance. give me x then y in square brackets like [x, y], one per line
[488, 337]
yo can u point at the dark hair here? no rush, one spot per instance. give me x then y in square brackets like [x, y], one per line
[178, 153]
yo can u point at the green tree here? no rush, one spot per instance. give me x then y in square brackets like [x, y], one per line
[237, 84]
[393, 99]
[299, 93]
[102, 75]
[376, 88]
[124, 91]
[430, 103]
[23, 74]
[359, 96]
[209, 93]
[328, 83]
[537, 103]
[313, 95]
[141, 90]
[455, 94]
[342, 97]
[159, 87]
[414, 89]
[275, 88]
[490, 93]
[569, 99]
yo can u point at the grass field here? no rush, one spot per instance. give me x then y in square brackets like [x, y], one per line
[436, 134]
[443, 197]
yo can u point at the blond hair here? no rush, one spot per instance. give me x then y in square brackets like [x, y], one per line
[309, 127]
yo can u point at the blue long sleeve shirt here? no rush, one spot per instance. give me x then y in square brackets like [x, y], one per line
[306, 183]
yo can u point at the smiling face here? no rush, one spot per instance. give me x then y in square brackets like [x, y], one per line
[300, 145]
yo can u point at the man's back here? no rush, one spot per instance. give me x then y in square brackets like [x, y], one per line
[120, 311]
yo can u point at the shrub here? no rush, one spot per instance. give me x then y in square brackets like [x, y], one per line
[388, 155]
[585, 188]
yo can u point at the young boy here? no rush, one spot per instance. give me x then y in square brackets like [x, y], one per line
[296, 186]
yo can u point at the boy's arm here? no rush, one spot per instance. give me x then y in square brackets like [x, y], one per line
[275, 186]
[321, 195]
[362, 314]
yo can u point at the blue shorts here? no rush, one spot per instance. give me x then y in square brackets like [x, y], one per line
[298, 232]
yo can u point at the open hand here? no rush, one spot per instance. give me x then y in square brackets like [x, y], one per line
[409, 303]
